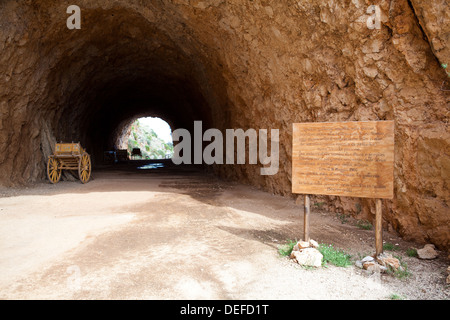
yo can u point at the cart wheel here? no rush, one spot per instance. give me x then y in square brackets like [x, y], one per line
[53, 170]
[84, 168]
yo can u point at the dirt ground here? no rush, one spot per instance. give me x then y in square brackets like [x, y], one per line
[182, 234]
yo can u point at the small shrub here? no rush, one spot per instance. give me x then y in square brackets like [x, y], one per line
[395, 297]
[342, 217]
[319, 205]
[411, 252]
[286, 249]
[334, 256]
[445, 65]
[402, 272]
[364, 224]
[389, 247]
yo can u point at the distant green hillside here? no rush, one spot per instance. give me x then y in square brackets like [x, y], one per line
[144, 138]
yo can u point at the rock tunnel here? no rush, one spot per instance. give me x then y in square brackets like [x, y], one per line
[246, 64]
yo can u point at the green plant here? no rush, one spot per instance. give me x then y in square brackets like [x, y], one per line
[389, 247]
[308, 267]
[342, 217]
[411, 252]
[319, 205]
[285, 250]
[334, 256]
[401, 272]
[364, 224]
[445, 65]
[395, 296]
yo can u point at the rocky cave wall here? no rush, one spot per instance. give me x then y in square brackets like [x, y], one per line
[240, 64]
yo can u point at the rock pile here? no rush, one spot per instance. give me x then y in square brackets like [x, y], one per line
[380, 263]
[305, 253]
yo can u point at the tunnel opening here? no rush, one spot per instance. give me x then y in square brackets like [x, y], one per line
[109, 77]
[149, 137]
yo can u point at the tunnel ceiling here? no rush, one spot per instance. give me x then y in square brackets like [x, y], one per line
[242, 64]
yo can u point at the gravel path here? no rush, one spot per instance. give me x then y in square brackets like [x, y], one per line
[182, 235]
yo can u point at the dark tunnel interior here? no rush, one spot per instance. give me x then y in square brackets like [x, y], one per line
[113, 76]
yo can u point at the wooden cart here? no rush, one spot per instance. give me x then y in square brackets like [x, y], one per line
[69, 156]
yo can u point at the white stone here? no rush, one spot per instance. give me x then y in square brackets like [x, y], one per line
[374, 267]
[303, 244]
[367, 259]
[308, 257]
[313, 243]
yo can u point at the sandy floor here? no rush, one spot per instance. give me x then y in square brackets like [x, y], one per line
[163, 234]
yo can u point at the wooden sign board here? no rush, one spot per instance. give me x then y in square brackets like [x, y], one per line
[352, 159]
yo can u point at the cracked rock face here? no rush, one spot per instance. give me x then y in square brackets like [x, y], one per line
[246, 64]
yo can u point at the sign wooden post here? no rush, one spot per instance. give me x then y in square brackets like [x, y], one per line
[306, 211]
[378, 227]
[347, 159]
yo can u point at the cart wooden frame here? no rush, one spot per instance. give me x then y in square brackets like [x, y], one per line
[69, 156]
